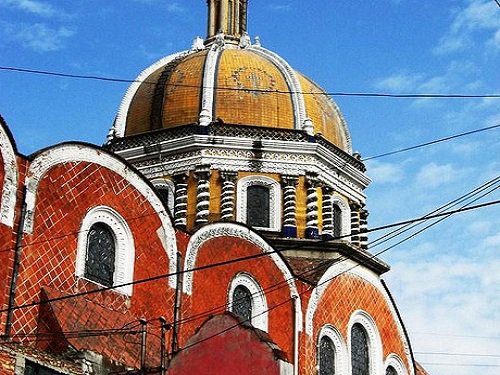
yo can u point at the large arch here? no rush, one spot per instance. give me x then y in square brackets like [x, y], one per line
[352, 268]
[216, 230]
[80, 152]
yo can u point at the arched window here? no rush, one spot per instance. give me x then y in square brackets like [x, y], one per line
[165, 189]
[258, 206]
[100, 256]
[242, 303]
[326, 356]
[247, 300]
[360, 357]
[259, 202]
[105, 250]
[391, 371]
[337, 221]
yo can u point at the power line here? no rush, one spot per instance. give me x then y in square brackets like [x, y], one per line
[431, 142]
[354, 94]
[236, 260]
[497, 2]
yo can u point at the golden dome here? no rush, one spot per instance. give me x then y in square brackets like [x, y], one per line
[239, 84]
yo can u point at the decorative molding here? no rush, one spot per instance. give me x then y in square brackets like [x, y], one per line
[118, 128]
[345, 220]
[228, 195]
[312, 206]
[181, 196]
[327, 211]
[65, 153]
[292, 82]
[8, 199]
[124, 246]
[274, 197]
[375, 350]
[163, 183]
[202, 175]
[395, 361]
[259, 304]
[217, 230]
[289, 201]
[341, 354]
[350, 267]
[208, 89]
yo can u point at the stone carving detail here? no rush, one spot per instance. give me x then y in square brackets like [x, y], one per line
[363, 226]
[207, 98]
[180, 208]
[327, 208]
[203, 195]
[228, 195]
[312, 207]
[290, 205]
[355, 238]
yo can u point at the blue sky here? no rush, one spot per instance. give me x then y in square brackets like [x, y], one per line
[446, 280]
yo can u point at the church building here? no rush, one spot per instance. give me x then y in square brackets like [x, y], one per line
[221, 229]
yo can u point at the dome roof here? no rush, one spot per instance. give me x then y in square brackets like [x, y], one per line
[239, 84]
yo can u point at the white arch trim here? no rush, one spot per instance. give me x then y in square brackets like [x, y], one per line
[216, 230]
[341, 355]
[274, 198]
[259, 304]
[124, 246]
[374, 342]
[352, 268]
[118, 128]
[164, 183]
[44, 161]
[346, 216]
[8, 199]
[395, 361]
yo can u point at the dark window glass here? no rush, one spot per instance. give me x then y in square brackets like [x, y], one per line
[31, 368]
[359, 351]
[242, 303]
[100, 258]
[337, 221]
[164, 194]
[391, 371]
[258, 206]
[326, 356]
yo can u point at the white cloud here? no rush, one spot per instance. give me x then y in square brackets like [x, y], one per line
[477, 16]
[31, 6]
[175, 7]
[400, 82]
[384, 173]
[433, 175]
[38, 37]
[492, 240]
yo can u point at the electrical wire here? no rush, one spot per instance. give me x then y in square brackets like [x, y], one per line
[431, 142]
[219, 88]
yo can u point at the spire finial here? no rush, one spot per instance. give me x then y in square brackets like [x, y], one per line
[228, 17]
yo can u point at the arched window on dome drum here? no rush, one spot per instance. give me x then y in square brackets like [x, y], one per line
[100, 256]
[258, 206]
[164, 194]
[242, 303]
[359, 351]
[326, 356]
[337, 221]
[391, 371]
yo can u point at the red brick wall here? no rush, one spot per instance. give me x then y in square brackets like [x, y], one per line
[211, 286]
[343, 296]
[7, 362]
[65, 194]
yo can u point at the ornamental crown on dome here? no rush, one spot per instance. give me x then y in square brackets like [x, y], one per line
[228, 17]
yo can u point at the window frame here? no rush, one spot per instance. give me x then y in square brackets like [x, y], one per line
[345, 216]
[162, 183]
[259, 305]
[339, 345]
[274, 200]
[124, 247]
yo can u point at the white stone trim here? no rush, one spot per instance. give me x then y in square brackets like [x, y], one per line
[274, 197]
[292, 81]
[259, 304]
[216, 230]
[375, 351]
[163, 183]
[345, 219]
[395, 361]
[118, 128]
[208, 89]
[8, 201]
[64, 153]
[124, 246]
[352, 268]
[341, 355]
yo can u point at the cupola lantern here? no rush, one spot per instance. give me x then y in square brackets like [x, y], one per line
[228, 17]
